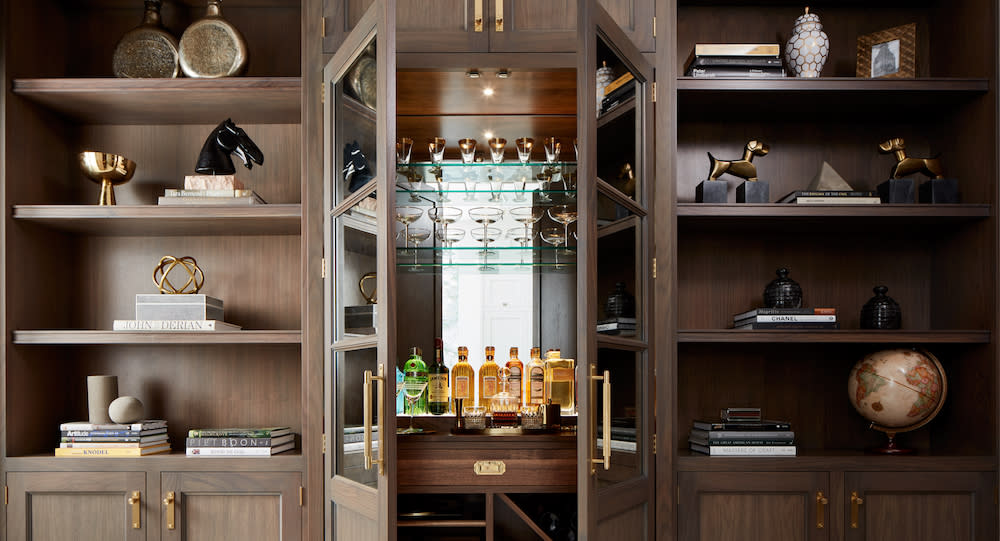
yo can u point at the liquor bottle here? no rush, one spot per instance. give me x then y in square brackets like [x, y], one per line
[534, 379]
[462, 378]
[415, 376]
[488, 379]
[437, 388]
[516, 370]
[560, 382]
[399, 391]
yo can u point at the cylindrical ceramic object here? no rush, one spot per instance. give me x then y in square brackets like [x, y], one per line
[101, 391]
[126, 409]
[808, 48]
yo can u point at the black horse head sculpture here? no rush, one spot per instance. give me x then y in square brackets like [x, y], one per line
[227, 139]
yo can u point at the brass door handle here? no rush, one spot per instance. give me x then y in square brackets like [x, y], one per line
[478, 21]
[821, 502]
[171, 517]
[135, 501]
[370, 459]
[856, 502]
[499, 20]
[605, 422]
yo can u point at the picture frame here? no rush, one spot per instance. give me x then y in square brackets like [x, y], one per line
[889, 53]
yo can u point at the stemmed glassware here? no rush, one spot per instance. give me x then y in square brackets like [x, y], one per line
[552, 148]
[496, 149]
[412, 391]
[564, 214]
[523, 146]
[467, 148]
[404, 147]
[416, 235]
[522, 236]
[485, 216]
[436, 148]
[449, 237]
[555, 237]
[444, 216]
[406, 216]
[527, 216]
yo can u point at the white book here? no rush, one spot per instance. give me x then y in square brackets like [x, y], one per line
[137, 426]
[786, 319]
[744, 450]
[111, 444]
[838, 200]
[182, 325]
[238, 451]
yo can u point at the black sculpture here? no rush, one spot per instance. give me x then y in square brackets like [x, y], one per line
[356, 170]
[226, 139]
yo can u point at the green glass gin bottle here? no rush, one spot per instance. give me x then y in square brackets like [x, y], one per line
[415, 376]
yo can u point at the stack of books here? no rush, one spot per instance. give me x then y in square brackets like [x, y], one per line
[787, 318]
[832, 197]
[756, 437]
[618, 326]
[618, 92]
[211, 190]
[83, 439]
[250, 442]
[187, 312]
[736, 60]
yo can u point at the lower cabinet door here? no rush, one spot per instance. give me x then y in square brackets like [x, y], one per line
[77, 506]
[919, 506]
[249, 506]
[758, 506]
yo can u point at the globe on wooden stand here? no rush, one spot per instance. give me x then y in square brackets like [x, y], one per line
[898, 390]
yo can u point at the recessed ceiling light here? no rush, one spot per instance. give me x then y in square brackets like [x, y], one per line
[503, 74]
[488, 91]
[488, 135]
[473, 74]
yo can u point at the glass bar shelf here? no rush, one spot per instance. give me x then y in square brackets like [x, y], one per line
[492, 258]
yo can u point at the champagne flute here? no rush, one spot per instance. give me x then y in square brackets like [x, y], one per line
[412, 391]
[564, 214]
[404, 147]
[436, 147]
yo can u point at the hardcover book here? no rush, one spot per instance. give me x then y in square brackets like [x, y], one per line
[792, 196]
[837, 201]
[737, 72]
[742, 441]
[737, 49]
[112, 434]
[785, 312]
[134, 427]
[734, 434]
[805, 325]
[744, 450]
[785, 318]
[112, 444]
[166, 325]
[113, 452]
[239, 441]
[734, 61]
[177, 307]
[113, 439]
[766, 424]
[264, 432]
[238, 451]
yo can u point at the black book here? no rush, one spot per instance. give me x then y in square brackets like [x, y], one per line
[735, 61]
[742, 441]
[736, 72]
[825, 193]
[618, 96]
[766, 424]
[785, 312]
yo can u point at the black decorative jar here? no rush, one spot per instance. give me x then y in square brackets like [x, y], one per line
[620, 303]
[881, 311]
[783, 292]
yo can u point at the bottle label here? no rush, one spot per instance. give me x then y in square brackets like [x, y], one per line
[514, 386]
[461, 387]
[437, 388]
[562, 374]
[536, 385]
[489, 386]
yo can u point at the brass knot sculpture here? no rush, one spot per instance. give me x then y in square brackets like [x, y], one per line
[908, 166]
[743, 168]
[196, 278]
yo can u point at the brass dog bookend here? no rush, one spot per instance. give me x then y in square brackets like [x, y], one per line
[901, 190]
[751, 190]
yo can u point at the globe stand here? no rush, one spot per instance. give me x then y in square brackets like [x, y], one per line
[890, 448]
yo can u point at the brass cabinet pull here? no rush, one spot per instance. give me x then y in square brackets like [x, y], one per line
[369, 455]
[489, 467]
[605, 422]
[135, 501]
[499, 25]
[478, 21]
[856, 502]
[169, 502]
[821, 502]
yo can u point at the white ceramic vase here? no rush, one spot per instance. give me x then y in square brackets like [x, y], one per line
[808, 48]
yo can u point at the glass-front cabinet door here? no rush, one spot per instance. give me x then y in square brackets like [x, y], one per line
[357, 158]
[615, 443]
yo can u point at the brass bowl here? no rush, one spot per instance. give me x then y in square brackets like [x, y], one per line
[109, 170]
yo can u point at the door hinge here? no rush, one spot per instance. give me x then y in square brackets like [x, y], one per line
[324, 443]
[654, 268]
[6, 496]
[302, 495]
[322, 27]
[654, 28]
[678, 494]
[322, 274]
[654, 91]
[654, 444]
[322, 92]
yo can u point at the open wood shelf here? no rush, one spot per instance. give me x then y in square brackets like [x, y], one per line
[842, 335]
[688, 212]
[622, 108]
[176, 460]
[248, 100]
[87, 337]
[837, 460]
[154, 220]
[620, 342]
[519, 513]
[441, 523]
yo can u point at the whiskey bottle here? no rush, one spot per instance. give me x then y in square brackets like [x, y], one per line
[516, 369]
[534, 378]
[462, 378]
[560, 382]
[488, 379]
[437, 387]
[415, 377]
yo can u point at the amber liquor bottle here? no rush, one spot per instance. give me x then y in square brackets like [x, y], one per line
[488, 379]
[463, 377]
[560, 382]
[437, 385]
[534, 379]
[515, 370]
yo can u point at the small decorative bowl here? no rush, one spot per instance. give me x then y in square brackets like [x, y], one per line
[107, 169]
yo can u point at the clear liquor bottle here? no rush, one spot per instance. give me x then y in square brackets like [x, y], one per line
[463, 378]
[488, 380]
[560, 382]
[415, 374]
[534, 379]
[437, 384]
[515, 369]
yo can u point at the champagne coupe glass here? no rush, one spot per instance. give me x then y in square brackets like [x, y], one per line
[406, 216]
[467, 147]
[436, 148]
[416, 235]
[521, 235]
[527, 216]
[412, 391]
[485, 216]
[555, 237]
[449, 237]
[564, 214]
[486, 235]
[444, 216]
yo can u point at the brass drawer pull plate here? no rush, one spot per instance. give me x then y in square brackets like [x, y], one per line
[171, 517]
[821, 502]
[478, 21]
[856, 503]
[370, 459]
[135, 501]
[489, 467]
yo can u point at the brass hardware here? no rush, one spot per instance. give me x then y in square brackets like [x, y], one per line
[161, 275]
[136, 502]
[169, 502]
[654, 91]
[654, 268]
[369, 456]
[654, 444]
[821, 502]
[322, 268]
[324, 443]
[322, 92]
[499, 25]
[108, 170]
[371, 298]
[478, 21]
[856, 502]
[302, 495]
[489, 467]
[6, 495]
[322, 27]
[654, 28]
[606, 420]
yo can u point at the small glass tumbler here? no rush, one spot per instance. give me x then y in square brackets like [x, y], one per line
[531, 417]
[475, 417]
[552, 147]
[496, 149]
[467, 147]
[524, 145]
[436, 148]
[404, 146]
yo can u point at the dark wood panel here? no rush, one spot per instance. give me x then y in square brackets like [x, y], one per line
[530, 26]
[525, 467]
[837, 460]
[635, 17]
[524, 92]
[821, 336]
[441, 26]
[453, 128]
[123, 220]
[173, 461]
[265, 100]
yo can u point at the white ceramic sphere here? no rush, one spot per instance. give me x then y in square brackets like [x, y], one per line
[126, 409]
